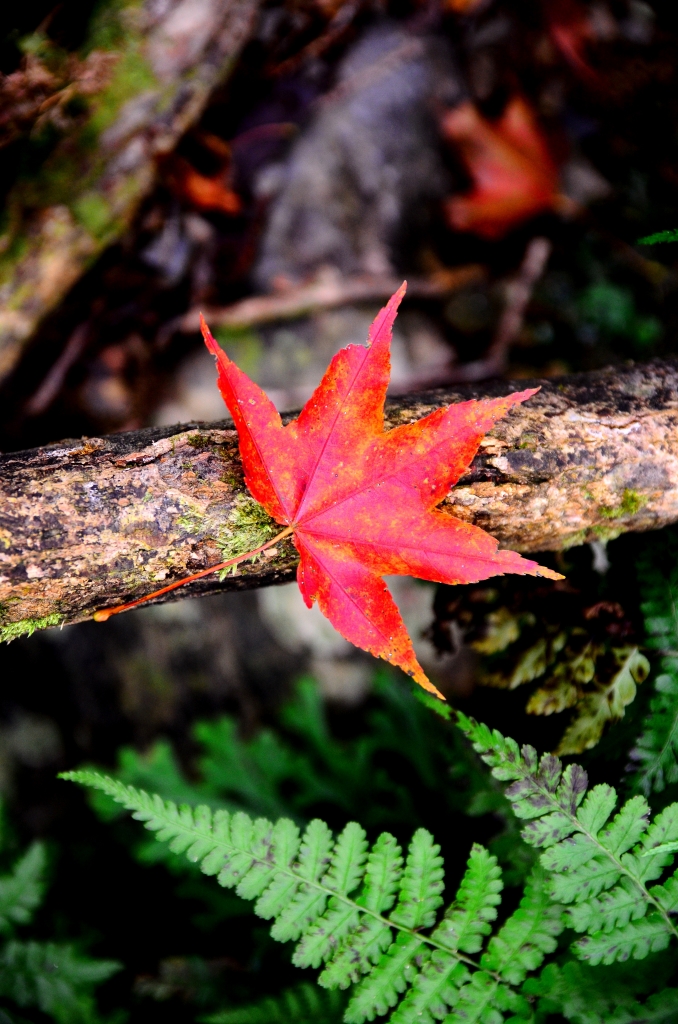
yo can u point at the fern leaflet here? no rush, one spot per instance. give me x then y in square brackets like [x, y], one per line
[52, 977]
[599, 865]
[366, 913]
[469, 917]
[304, 1004]
[21, 891]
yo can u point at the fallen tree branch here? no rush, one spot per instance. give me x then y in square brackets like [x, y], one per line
[166, 61]
[92, 523]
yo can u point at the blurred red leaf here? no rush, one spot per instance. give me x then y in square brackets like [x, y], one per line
[514, 176]
[571, 30]
[360, 500]
[204, 192]
[462, 6]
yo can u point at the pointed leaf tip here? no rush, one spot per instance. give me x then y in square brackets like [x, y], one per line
[524, 396]
[426, 684]
[382, 324]
[209, 338]
[548, 574]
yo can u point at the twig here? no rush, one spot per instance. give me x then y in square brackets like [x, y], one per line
[334, 31]
[105, 613]
[327, 291]
[53, 382]
[372, 73]
[518, 294]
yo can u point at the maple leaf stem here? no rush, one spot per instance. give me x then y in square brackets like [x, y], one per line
[105, 613]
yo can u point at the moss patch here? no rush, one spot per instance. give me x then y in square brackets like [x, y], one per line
[248, 526]
[27, 627]
[631, 503]
[199, 441]
[64, 170]
[132, 77]
[575, 540]
[94, 213]
[602, 533]
[191, 521]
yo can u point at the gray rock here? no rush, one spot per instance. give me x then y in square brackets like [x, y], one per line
[366, 170]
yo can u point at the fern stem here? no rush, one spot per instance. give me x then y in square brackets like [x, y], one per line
[105, 613]
[401, 928]
[646, 894]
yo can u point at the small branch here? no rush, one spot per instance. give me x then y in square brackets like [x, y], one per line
[338, 26]
[518, 294]
[105, 613]
[327, 291]
[103, 521]
[53, 382]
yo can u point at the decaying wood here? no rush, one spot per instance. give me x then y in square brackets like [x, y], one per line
[91, 523]
[171, 58]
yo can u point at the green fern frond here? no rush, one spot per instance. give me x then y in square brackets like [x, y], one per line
[289, 773]
[598, 865]
[668, 235]
[250, 773]
[371, 936]
[303, 1004]
[332, 896]
[519, 947]
[529, 934]
[661, 1008]
[53, 978]
[21, 891]
[655, 756]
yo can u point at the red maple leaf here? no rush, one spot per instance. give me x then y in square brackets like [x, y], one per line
[359, 500]
[514, 176]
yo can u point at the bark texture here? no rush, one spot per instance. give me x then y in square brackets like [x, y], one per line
[92, 523]
[168, 59]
